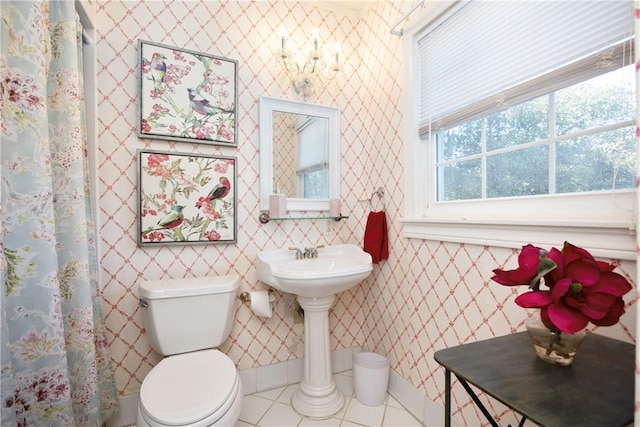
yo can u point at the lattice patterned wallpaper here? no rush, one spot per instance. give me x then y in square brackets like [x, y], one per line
[427, 296]
[285, 154]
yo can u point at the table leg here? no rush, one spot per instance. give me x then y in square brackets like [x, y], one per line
[447, 398]
[477, 401]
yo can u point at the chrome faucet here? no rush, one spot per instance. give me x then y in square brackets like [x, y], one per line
[299, 254]
[312, 252]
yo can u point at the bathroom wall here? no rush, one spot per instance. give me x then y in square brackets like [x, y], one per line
[427, 296]
[247, 32]
[433, 295]
[285, 154]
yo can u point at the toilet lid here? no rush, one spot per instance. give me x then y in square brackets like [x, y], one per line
[188, 387]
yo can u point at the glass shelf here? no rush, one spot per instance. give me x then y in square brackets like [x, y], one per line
[265, 218]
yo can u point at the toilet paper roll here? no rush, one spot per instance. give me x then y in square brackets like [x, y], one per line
[261, 303]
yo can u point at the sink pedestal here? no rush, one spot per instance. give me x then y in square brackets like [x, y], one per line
[318, 396]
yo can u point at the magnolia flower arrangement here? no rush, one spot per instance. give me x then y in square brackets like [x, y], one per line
[579, 289]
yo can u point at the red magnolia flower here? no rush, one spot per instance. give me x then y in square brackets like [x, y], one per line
[581, 289]
[528, 262]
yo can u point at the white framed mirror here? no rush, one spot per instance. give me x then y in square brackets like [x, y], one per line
[299, 153]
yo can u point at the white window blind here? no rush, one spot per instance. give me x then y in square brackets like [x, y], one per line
[495, 54]
[312, 139]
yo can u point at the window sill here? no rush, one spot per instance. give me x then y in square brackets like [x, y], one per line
[606, 239]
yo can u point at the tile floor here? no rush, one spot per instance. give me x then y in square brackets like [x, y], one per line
[272, 408]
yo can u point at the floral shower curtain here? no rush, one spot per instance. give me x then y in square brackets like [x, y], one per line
[54, 356]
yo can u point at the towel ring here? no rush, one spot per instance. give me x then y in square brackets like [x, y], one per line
[380, 193]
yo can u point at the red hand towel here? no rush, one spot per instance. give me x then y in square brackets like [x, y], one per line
[375, 236]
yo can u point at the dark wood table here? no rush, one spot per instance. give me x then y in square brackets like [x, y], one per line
[596, 390]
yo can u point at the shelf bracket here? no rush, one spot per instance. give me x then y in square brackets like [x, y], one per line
[264, 217]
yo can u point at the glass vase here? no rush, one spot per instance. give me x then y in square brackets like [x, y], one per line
[557, 348]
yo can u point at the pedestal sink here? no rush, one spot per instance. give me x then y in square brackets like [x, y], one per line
[316, 281]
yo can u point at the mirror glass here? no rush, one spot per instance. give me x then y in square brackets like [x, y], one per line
[299, 153]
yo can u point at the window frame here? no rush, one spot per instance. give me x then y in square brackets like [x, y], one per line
[604, 223]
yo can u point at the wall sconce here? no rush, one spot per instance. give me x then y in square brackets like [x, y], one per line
[310, 74]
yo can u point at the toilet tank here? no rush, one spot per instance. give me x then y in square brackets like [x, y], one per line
[182, 315]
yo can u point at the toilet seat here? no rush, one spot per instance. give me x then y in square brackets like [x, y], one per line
[189, 388]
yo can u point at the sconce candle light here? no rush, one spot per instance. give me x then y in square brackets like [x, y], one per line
[311, 74]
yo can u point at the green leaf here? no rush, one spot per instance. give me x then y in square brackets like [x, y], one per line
[545, 266]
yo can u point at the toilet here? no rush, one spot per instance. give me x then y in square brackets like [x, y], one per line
[195, 384]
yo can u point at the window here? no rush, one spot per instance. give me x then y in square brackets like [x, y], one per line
[578, 139]
[313, 166]
[525, 119]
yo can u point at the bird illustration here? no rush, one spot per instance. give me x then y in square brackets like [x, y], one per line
[158, 69]
[203, 106]
[173, 219]
[219, 191]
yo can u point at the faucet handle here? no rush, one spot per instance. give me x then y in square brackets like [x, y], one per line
[298, 251]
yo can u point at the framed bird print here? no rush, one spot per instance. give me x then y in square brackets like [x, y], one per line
[186, 96]
[186, 198]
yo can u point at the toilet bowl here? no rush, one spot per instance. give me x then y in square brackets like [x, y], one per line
[192, 389]
[195, 384]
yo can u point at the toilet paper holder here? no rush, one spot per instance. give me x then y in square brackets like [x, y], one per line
[246, 296]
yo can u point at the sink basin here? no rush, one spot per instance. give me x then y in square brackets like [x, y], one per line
[336, 269]
[316, 281]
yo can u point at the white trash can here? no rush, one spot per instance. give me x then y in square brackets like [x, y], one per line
[370, 378]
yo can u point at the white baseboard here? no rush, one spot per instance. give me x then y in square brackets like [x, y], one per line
[127, 412]
[280, 374]
[423, 408]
